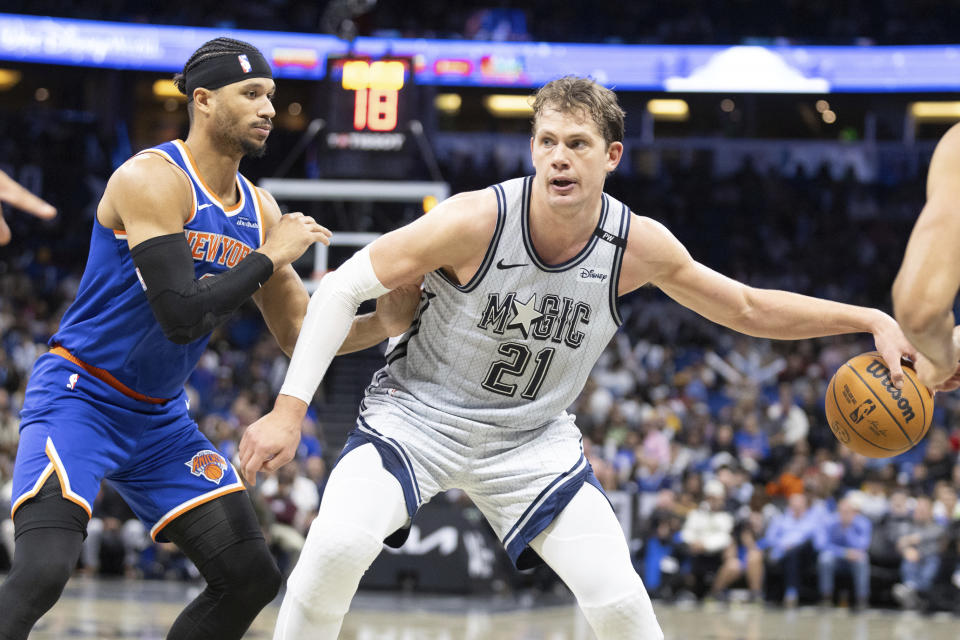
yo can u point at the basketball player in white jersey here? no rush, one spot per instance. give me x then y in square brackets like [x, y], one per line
[519, 301]
[926, 287]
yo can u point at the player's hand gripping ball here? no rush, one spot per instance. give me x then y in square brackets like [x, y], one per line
[870, 415]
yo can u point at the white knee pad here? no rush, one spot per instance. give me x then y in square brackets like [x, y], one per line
[586, 547]
[331, 564]
[362, 504]
[324, 581]
[630, 618]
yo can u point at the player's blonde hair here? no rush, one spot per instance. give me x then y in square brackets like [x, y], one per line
[573, 94]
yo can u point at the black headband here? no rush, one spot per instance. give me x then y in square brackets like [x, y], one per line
[220, 71]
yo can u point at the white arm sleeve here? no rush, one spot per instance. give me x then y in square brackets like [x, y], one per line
[327, 323]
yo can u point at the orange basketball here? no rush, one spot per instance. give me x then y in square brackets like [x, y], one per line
[213, 472]
[871, 416]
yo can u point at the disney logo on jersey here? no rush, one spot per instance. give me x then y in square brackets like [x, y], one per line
[551, 317]
[216, 248]
[593, 275]
[209, 465]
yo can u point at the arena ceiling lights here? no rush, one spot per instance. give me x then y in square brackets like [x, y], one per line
[508, 106]
[165, 89]
[517, 65]
[935, 111]
[9, 79]
[669, 109]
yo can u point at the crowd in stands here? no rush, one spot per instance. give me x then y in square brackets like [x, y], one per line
[739, 486]
[685, 22]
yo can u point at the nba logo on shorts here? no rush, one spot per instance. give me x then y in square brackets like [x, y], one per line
[72, 381]
[244, 63]
[209, 465]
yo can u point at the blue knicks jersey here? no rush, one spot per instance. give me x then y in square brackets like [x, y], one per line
[110, 325]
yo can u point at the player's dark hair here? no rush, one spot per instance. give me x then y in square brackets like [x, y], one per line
[571, 94]
[211, 49]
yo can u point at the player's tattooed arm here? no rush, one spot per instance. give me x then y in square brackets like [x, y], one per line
[926, 287]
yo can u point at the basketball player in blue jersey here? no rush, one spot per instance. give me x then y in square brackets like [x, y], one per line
[925, 290]
[520, 299]
[180, 240]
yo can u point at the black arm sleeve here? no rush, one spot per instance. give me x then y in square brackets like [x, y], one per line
[186, 308]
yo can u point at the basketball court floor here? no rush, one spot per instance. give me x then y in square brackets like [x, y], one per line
[101, 609]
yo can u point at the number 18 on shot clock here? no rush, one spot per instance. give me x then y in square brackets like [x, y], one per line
[371, 103]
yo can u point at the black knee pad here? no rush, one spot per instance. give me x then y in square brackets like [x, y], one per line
[248, 573]
[224, 540]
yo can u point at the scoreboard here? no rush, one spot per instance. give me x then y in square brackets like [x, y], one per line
[371, 103]
[376, 87]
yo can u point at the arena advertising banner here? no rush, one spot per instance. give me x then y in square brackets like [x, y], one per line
[444, 552]
[674, 68]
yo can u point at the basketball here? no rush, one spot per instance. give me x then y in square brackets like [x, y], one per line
[872, 417]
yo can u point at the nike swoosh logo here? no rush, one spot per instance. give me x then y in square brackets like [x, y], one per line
[204, 206]
[500, 265]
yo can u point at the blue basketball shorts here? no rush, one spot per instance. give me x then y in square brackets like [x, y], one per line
[84, 427]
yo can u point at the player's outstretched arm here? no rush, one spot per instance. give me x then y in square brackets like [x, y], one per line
[656, 257]
[13, 193]
[926, 286]
[453, 236]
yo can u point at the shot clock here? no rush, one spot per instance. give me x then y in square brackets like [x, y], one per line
[372, 98]
[371, 104]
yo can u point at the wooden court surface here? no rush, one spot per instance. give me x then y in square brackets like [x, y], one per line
[104, 609]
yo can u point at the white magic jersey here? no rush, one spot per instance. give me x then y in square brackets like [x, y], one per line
[513, 346]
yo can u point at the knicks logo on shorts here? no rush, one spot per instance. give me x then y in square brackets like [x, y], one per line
[209, 465]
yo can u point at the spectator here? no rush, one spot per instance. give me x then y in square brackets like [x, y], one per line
[939, 460]
[790, 481]
[787, 544]
[707, 535]
[945, 509]
[945, 592]
[744, 558]
[293, 499]
[661, 553]
[891, 527]
[790, 421]
[842, 547]
[115, 537]
[751, 442]
[920, 550]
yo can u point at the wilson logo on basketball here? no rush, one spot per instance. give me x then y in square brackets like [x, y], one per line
[209, 465]
[880, 371]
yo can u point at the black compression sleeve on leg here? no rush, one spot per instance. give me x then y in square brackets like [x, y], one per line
[49, 509]
[224, 541]
[49, 534]
[186, 308]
